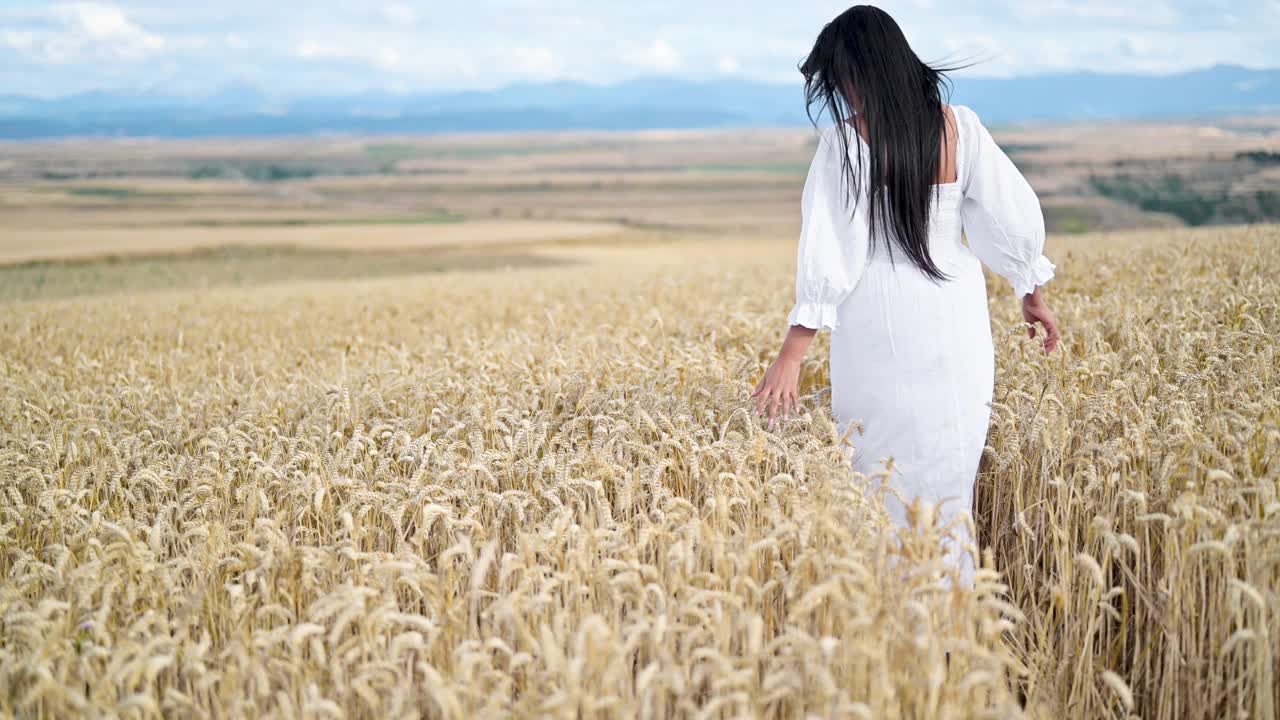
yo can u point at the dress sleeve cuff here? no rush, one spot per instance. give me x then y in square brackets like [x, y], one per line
[813, 315]
[1039, 273]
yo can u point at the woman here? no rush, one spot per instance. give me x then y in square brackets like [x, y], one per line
[900, 173]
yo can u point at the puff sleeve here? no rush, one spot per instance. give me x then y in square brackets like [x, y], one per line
[1001, 213]
[832, 250]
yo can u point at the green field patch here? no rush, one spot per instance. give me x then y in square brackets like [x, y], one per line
[1174, 195]
[777, 168]
[241, 266]
[392, 152]
[437, 218]
[109, 192]
[522, 150]
[1261, 157]
[1072, 218]
[611, 169]
[1022, 148]
[725, 182]
[114, 192]
[260, 171]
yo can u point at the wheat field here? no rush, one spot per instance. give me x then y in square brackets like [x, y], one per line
[538, 492]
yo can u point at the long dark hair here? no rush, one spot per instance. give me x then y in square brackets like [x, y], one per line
[862, 62]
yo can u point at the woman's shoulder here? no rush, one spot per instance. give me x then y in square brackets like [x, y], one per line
[968, 119]
[827, 135]
[828, 144]
[834, 143]
[969, 127]
[963, 114]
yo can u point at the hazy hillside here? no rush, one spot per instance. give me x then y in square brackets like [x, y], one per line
[659, 102]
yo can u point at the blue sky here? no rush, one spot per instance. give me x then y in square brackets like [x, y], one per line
[293, 48]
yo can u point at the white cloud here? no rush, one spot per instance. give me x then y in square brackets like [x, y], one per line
[401, 61]
[658, 56]
[383, 57]
[388, 58]
[84, 33]
[1150, 12]
[17, 40]
[63, 46]
[399, 13]
[105, 30]
[310, 50]
[536, 62]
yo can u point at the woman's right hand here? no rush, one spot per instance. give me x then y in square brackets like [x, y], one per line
[779, 388]
[1036, 310]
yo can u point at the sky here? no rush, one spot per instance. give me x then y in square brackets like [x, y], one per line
[292, 48]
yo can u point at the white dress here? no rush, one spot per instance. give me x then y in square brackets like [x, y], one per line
[912, 360]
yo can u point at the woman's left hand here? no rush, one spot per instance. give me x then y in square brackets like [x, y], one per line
[1036, 310]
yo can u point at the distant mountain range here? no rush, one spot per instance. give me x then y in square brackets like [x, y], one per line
[659, 102]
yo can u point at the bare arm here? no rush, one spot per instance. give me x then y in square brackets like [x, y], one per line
[830, 257]
[781, 382]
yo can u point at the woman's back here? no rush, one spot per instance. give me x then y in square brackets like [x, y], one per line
[883, 262]
[945, 247]
[912, 361]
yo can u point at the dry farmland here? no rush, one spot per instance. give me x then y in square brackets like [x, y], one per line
[337, 446]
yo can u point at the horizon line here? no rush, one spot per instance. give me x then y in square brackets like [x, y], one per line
[670, 77]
